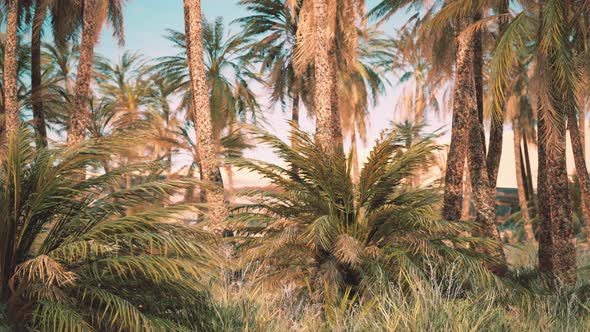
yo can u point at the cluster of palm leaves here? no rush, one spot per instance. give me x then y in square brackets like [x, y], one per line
[77, 254]
[319, 228]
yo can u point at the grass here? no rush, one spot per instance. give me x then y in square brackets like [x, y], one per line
[439, 304]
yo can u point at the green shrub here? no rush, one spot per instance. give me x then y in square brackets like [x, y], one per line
[78, 255]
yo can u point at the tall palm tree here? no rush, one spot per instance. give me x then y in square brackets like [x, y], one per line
[326, 122]
[327, 41]
[467, 136]
[518, 109]
[124, 88]
[229, 76]
[577, 135]
[58, 81]
[546, 27]
[463, 95]
[201, 109]
[463, 101]
[93, 13]
[12, 114]
[41, 8]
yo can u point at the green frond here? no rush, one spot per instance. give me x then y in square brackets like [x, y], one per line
[49, 316]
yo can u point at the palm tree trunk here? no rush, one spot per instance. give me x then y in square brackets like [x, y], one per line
[462, 101]
[557, 253]
[527, 160]
[523, 173]
[80, 119]
[466, 208]
[478, 74]
[585, 206]
[324, 81]
[522, 201]
[295, 116]
[581, 170]
[483, 194]
[12, 117]
[37, 98]
[495, 151]
[545, 263]
[481, 189]
[202, 111]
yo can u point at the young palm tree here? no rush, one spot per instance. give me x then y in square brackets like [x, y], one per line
[320, 227]
[75, 256]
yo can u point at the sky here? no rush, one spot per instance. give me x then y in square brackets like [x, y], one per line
[146, 22]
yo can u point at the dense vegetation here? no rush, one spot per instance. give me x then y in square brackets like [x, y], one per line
[103, 228]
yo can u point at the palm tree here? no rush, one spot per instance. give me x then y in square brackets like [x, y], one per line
[41, 8]
[324, 77]
[57, 85]
[22, 88]
[161, 115]
[463, 102]
[327, 41]
[320, 228]
[229, 77]
[273, 24]
[518, 109]
[201, 110]
[11, 108]
[463, 92]
[522, 200]
[78, 257]
[125, 85]
[93, 12]
[577, 135]
[555, 82]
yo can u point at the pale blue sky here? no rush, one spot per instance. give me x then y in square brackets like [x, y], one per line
[147, 20]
